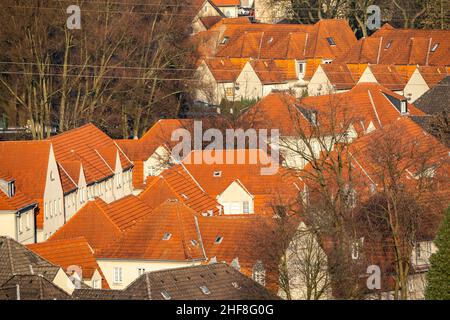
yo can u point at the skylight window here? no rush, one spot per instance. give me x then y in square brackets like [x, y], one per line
[270, 40]
[388, 45]
[166, 295]
[224, 40]
[217, 174]
[331, 41]
[205, 290]
[166, 236]
[434, 48]
[194, 242]
[184, 196]
[236, 285]
[218, 240]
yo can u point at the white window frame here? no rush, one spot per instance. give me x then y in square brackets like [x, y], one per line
[117, 275]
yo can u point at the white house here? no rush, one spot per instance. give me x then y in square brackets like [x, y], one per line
[422, 80]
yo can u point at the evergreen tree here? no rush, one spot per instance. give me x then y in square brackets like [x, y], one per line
[438, 277]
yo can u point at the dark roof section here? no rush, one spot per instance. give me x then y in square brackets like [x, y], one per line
[16, 259]
[437, 99]
[205, 282]
[31, 287]
[101, 294]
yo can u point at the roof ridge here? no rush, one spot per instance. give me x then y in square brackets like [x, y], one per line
[105, 213]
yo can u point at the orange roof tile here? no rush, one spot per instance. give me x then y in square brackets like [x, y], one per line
[224, 3]
[274, 71]
[146, 239]
[93, 148]
[15, 203]
[401, 47]
[341, 75]
[433, 75]
[268, 190]
[177, 183]
[70, 252]
[388, 76]
[91, 222]
[225, 70]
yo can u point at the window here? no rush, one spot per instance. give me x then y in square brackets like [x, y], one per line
[235, 285]
[117, 275]
[96, 284]
[434, 48]
[418, 251]
[20, 224]
[166, 236]
[205, 290]
[28, 215]
[331, 41]
[52, 176]
[46, 209]
[141, 271]
[259, 273]
[229, 91]
[246, 207]
[166, 295]
[356, 247]
[388, 45]
[224, 40]
[217, 174]
[218, 240]
[194, 242]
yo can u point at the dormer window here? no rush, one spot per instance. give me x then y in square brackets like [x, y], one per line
[224, 40]
[259, 273]
[217, 174]
[403, 107]
[8, 188]
[166, 236]
[434, 48]
[331, 41]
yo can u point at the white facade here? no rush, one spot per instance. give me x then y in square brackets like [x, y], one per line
[119, 273]
[19, 226]
[53, 201]
[235, 199]
[415, 87]
[212, 91]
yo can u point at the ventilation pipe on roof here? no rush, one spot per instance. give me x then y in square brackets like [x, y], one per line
[428, 51]
[379, 50]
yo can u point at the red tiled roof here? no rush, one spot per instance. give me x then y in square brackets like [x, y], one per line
[225, 70]
[177, 183]
[388, 76]
[93, 148]
[145, 240]
[69, 172]
[342, 76]
[267, 189]
[432, 75]
[66, 253]
[401, 47]
[224, 3]
[27, 163]
[274, 71]
[277, 41]
[17, 202]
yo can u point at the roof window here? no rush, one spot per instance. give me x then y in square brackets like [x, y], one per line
[224, 40]
[166, 295]
[434, 48]
[218, 240]
[331, 41]
[217, 174]
[167, 236]
[194, 242]
[205, 290]
[388, 45]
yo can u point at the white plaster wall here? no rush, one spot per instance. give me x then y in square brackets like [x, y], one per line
[130, 269]
[234, 193]
[415, 87]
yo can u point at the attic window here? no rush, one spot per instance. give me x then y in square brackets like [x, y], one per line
[218, 240]
[217, 173]
[166, 236]
[388, 45]
[205, 290]
[331, 41]
[224, 40]
[166, 295]
[434, 48]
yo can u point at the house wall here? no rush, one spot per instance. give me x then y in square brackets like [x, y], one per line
[96, 279]
[233, 197]
[319, 84]
[206, 11]
[291, 149]
[267, 12]
[130, 269]
[62, 281]
[415, 87]
[230, 11]
[53, 201]
[8, 224]
[250, 87]
[211, 91]
[157, 163]
[304, 252]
